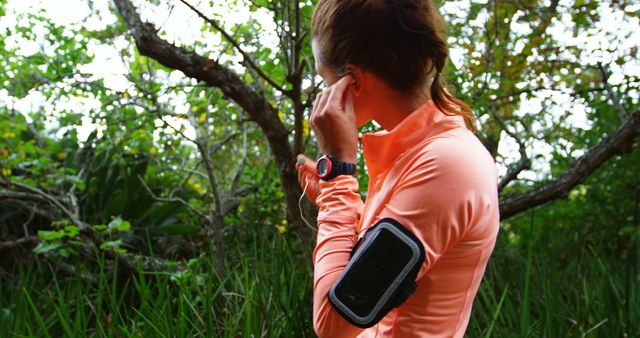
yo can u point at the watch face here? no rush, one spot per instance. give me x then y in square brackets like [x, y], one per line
[323, 167]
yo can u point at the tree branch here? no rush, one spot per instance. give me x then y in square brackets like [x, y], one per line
[612, 96]
[200, 68]
[27, 242]
[169, 199]
[235, 44]
[236, 177]
[621, 140]
[215, 75]
[22, 196]
[49, 198]
[523, 163]
[129, 261]
[577, 92]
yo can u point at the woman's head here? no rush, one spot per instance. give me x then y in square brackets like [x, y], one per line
[401, 41]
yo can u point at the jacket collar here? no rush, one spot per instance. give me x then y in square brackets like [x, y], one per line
[381, 148]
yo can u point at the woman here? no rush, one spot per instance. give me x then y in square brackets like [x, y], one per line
[382, 60]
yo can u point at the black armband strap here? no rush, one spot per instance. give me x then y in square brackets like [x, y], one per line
[380, 274]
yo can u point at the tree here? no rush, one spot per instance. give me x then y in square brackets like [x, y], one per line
[494, 65]
[200, 152]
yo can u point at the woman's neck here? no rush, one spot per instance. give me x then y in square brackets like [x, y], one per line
[394, 107]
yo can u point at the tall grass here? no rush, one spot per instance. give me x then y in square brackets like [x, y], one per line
[543, 296]
[266, 292]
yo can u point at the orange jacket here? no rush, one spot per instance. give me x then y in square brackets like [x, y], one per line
[434, 176]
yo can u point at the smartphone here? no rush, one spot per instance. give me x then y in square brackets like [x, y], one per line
[380, 274]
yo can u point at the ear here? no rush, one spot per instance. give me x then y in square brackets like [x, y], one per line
[359, 75]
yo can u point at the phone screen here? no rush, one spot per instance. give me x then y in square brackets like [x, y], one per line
[368, 278]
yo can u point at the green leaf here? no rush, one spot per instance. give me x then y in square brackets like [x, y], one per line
[111, 244]
[79, 183]
[65, 252]
[51, 235]
[71, 231]
[159, 213]
[116, 204]
[118, 224]
[45, 247]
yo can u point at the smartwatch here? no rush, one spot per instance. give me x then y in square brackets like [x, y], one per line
[327, 167]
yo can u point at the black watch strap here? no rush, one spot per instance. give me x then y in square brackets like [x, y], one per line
[340, 168]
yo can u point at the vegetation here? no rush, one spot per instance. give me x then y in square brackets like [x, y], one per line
[147, 185]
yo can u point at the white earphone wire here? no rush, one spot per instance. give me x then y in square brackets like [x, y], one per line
[304, 191]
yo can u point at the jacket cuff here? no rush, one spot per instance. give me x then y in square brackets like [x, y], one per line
[339, 200]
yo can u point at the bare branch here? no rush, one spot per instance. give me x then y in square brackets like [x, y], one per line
[522, 164]
[236, 177]
[49, 198]
[620, 140]
[194, 172]
[170, 199]
[219, 145]
[202, 69]
[22, 196]
[129, 261]
[234, 88]
[75, 208]
[612, 96]
[213, 181]
[577, 92]
[25, 225]
[180, 132]
[235, 44]
[26, 242]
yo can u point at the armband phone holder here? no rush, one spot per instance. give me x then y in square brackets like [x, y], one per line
[380, 274]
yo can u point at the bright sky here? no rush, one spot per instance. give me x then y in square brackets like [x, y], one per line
[181, 25]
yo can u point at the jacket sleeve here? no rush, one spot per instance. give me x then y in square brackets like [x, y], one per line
[340, 205]
[424, 201]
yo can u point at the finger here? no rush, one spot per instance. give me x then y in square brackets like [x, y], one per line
[300, 160]
[310, 166]
[304, 164]
[308, 179]
[301, 175]
[299, 165]
[337, 93]
[315, 103]
[323, 100]
[306, 171]
[315, 109]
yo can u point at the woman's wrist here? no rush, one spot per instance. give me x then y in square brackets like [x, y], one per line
[347, 158]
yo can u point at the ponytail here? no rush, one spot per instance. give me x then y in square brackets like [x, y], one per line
[451, 105]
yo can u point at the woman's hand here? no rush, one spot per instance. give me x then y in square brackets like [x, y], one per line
[333, 120]
[307, 177]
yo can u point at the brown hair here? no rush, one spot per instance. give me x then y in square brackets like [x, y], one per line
[401, 41]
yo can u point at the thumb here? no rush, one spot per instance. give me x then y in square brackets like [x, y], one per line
[301, 160]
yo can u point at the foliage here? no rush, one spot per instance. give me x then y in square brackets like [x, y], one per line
[52, 240]
[260, 293]
[266, 291]
[149, 162]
